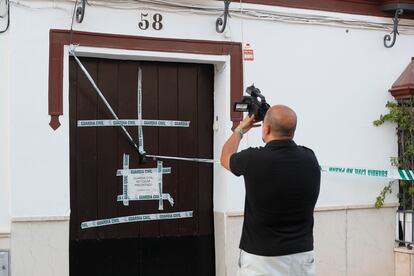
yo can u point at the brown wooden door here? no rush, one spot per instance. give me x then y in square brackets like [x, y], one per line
[171, 91]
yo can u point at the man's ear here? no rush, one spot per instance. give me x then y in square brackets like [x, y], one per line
[267, 129]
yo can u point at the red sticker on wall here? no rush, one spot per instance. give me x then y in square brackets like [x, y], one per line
[248, 52]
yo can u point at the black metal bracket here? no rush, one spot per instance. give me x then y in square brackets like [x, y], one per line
[399, 9]
[394, 33]
[220, 22]
[80, 11]
[8, 16]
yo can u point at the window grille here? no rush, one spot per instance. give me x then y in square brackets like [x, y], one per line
[405, 160]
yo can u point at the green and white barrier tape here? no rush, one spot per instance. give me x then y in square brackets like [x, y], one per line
[159, 180]
[158, 172]
[166, 170]
[388, 173]
[98, 91]
[140, 133]
[136, 218]
[125, 180]
[149, 197]
[202, 160]
[132, 122]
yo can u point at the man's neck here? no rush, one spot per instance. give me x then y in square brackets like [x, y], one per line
[277, 138]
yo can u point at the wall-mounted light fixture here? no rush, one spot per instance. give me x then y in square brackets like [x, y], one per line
[222, 22]
[398, 8]
[404, 85]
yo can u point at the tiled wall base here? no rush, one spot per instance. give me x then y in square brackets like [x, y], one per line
[349, 241]
[40, 248]
[404, 262]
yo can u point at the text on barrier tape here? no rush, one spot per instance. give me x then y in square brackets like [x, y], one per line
[391, 174]
[136, 218]
[132, 122]
[149, 197]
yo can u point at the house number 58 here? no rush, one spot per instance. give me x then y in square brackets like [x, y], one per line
[156, 22]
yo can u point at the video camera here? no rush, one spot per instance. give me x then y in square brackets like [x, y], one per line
[252, 105]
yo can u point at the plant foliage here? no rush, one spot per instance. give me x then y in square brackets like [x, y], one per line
[401, 113]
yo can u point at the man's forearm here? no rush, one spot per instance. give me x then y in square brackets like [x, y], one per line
[232, 144]
[229, 148]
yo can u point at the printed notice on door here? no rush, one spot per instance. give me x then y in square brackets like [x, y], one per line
[145, 184]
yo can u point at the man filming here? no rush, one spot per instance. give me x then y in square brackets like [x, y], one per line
[282, 183]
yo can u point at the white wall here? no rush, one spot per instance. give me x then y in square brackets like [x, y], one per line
[4, 133]
[39, 156]
[348, 242]
[336, 81]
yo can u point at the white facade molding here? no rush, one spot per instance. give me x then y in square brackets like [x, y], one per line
[329, 208]
[245, 11]
[40, 218]
[5, 234]
[122, 54]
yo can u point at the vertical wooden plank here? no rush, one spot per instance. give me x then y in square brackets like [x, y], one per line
[149, 111]
[205, 147]
[107, 153]
[188, 173]
[127, 109]
[236, 81]
[168, 139]
[74, 222]
[86, 150]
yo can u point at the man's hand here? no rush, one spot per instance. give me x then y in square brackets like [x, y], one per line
[248, 123]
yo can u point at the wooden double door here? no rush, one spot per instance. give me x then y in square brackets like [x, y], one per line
[170, 91]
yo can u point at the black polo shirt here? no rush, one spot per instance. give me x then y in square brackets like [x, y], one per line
[282, 185]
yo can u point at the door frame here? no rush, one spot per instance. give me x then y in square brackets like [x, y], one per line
[59, 39]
